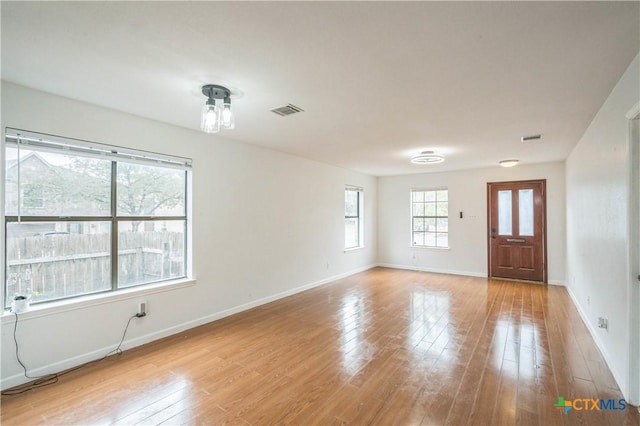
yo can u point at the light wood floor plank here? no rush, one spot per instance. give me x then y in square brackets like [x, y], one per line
[385, 346]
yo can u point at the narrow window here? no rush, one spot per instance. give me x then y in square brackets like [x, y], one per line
[430, 218]
[353, 206]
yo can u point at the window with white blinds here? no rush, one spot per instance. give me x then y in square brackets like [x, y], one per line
[84, 218]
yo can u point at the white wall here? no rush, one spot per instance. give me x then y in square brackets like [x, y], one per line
[597, 232]
[467, 236]
[265, 224]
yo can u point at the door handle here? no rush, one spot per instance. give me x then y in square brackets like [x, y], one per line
[516, 240]
[493, 233]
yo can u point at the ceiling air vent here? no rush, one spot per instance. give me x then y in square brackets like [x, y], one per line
[531, 138]
[287, 110]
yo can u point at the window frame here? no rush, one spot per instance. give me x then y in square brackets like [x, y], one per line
[425, 216]
[115, 155]
[359, 217]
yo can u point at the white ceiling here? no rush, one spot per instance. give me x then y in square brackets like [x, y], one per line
[379, 81]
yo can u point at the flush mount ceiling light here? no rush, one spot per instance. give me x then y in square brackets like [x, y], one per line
[217, 116]
[508, 163]
[427, 157]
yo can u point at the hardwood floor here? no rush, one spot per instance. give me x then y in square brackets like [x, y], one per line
[381, 347]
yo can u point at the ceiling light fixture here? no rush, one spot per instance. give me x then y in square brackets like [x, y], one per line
[509, 163]
[427, 157]
[531, 138]
[215, 116]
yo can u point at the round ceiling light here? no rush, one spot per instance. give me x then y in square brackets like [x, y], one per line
[427, 157]
[508, 163]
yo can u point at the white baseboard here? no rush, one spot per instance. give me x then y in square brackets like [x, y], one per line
[449, 271]
[596, 338]
[19, 379]
[435, 270]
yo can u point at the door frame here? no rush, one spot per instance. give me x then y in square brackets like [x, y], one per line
[543, 182]
[633, 255]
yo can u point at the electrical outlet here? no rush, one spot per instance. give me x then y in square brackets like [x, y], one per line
[142, 310]
[603, 323]
[588, 300]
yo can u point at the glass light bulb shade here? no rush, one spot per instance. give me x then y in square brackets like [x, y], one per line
[210, 121]
[228, 117]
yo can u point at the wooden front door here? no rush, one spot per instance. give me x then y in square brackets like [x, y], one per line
[517, 230]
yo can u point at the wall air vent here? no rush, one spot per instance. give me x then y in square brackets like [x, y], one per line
[531, 138]
[287, 110]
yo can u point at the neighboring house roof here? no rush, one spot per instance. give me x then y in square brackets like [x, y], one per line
[32, 156]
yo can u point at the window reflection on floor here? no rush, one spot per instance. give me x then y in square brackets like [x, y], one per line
[353, 323]
[429, 325]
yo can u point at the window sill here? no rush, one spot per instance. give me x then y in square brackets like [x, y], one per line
[353, 249]
[431, 248]
[45, 309]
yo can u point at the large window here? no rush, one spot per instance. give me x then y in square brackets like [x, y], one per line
[430, 218]
[85, 218]
[353, 205]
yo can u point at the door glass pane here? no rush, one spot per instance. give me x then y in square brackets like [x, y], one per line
[525, 203]
[504, 213]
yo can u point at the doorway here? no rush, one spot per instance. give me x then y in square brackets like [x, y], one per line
[517, 230]
[634, 256]
[635, 139]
